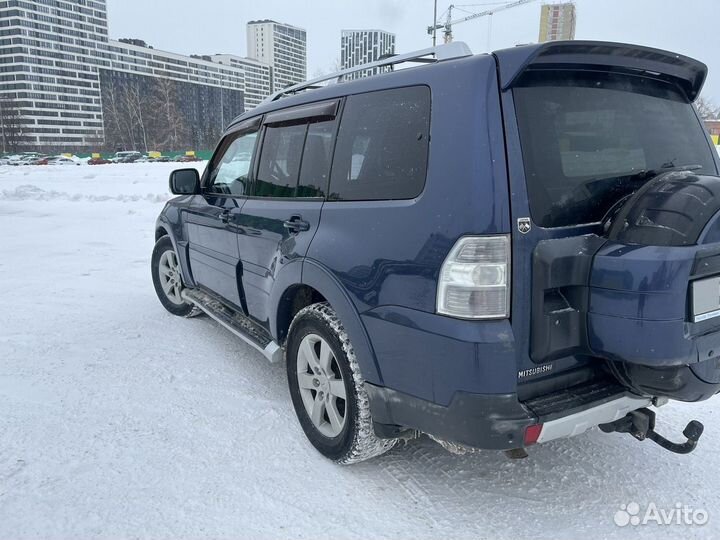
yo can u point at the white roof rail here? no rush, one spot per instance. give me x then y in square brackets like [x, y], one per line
[457, 49]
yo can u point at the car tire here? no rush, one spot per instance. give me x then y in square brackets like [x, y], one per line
[167, 278]
[328, 390]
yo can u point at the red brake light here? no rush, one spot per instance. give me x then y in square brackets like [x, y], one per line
[532, 434]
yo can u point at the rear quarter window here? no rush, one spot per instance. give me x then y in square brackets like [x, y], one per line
[382, 146]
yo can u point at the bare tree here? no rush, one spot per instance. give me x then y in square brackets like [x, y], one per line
[169, 131]
[116, 132]
[12, 123]
[334, 67]
[144, 113]
[707, 109]
[134, 107]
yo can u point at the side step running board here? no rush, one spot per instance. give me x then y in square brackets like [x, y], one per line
[252, 334]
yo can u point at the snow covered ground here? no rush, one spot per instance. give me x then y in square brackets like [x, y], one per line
[118, 420]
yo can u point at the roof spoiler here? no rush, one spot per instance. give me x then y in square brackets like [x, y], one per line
[688, 73]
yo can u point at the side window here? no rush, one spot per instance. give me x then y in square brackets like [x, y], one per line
[382, 147]
[231, 172]
[280, 160]
[317, 158]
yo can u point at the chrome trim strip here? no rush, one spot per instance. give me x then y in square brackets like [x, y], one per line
[706, 316]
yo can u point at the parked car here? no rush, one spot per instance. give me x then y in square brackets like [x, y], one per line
[126, 157]
[23, 159]
[549, 263]
[63, 160]
[98, 161]
[153, 159]
[187, 159]
[38, 160]
[13, 159]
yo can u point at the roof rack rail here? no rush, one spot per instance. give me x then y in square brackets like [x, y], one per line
[448, 51]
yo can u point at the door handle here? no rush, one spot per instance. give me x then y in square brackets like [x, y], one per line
[296, 224]
[225, 216]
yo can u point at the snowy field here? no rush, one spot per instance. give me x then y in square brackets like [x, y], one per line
[118, 420]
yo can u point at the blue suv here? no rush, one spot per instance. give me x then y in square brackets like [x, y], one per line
[496, 250]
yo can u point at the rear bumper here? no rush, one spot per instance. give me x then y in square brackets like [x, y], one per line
[496, 421]
[579, 422]
[499, 421]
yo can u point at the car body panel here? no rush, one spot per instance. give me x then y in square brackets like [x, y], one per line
[377, 263]
[213, 251]
[266, 246]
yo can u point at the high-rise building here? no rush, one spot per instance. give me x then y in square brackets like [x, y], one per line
[258, 77]
[65, 84]
[281, 46]
[49, 80]
[557, 22]
[359, 47]
[154, 98]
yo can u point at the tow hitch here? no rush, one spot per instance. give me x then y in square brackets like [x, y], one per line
[641, 425]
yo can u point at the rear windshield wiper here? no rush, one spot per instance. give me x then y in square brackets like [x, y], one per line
[647, 174]
[609, 191]
[622, 182]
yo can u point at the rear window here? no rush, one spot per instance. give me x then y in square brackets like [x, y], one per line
[382, 146]
[588, 138]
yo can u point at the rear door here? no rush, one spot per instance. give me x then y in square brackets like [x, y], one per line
[282, 213]
[213, 219]
[579, 142]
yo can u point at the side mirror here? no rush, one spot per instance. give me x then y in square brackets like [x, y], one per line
[185, 182]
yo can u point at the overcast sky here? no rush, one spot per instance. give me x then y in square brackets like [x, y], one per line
[690, 27]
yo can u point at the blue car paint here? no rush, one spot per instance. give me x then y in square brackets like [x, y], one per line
[213, 251]
[410, 239]
[524, 246]
[266, 247]
[384, 288]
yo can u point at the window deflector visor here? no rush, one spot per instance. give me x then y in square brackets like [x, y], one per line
[315, 112]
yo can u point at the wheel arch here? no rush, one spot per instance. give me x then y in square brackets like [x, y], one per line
[317, 283]
[293, 299]
[160, 231]
[164, 227]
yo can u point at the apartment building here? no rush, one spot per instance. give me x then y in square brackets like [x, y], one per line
[49, 76]
[281, 46]
[65, 84]
[557, 22]
[359, 47]
[258, 77]
[172, 99]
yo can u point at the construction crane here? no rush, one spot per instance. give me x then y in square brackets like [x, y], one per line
[447, 26]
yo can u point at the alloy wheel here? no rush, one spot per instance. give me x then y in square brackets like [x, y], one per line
[170, 279]
[321, 385]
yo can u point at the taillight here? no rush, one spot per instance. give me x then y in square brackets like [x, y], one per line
[532, 434]
[475, 279]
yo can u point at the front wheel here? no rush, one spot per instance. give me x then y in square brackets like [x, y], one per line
[167, 278]
[327, 389]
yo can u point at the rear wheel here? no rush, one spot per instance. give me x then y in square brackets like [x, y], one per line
[167, 278]
[327, 389]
